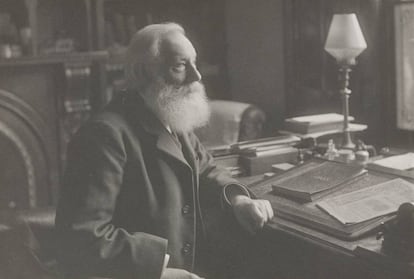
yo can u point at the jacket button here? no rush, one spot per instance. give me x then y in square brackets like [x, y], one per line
[187, 248]
[186, 209]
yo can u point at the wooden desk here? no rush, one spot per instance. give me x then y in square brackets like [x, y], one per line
[291, 251]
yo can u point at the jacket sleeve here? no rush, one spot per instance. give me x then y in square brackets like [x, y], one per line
[88, 242]
[214, 179]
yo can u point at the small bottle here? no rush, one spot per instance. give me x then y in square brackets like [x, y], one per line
[331, 152]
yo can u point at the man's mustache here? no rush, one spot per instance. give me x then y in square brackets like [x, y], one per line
[189, 88]
[196, 85]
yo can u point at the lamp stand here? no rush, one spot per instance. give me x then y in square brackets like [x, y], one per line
[344, 71]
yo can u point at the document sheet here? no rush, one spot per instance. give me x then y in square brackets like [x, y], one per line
[399, 162]
[370, 202]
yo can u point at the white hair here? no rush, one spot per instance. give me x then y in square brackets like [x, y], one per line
[144, 50]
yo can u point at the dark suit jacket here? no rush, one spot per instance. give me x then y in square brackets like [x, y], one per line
[132, 193]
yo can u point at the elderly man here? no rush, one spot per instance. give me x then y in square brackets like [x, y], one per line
[138, 181]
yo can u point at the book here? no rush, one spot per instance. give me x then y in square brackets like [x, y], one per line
[369, 203]
[353, 127]
[315, 123]
[262, 162]
[319, 222]
[262, 142]
[312, 180]
[267, 150]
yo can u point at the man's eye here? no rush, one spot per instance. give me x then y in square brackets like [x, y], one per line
[179, 67]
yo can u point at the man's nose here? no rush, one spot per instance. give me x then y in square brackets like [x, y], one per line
[193, 74]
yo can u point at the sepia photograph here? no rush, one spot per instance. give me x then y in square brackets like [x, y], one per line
[206, 139]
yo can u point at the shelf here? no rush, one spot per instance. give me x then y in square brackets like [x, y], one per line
[54, 59]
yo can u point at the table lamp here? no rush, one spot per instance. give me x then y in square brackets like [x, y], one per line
[345, 42]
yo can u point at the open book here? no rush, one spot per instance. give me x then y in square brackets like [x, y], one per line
[314, 180]
[369, 203]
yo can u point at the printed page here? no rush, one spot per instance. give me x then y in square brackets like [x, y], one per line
[370, 202]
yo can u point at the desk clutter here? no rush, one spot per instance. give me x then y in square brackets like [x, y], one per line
[353, 205]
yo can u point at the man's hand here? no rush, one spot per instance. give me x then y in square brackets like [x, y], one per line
[251, 214]
[175, 273]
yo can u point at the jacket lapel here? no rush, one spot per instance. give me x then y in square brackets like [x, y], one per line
[189, 153]
[166, 143]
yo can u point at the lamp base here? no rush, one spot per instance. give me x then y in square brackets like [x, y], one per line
[348, 145]
[347, 141]
[345, 93]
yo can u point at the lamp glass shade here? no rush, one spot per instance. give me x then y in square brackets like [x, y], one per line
[345, 40]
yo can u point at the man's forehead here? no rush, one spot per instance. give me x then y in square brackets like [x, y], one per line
[177, 45]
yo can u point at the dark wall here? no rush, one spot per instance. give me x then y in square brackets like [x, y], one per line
[276, 60]
[255, 60]
[312, 75]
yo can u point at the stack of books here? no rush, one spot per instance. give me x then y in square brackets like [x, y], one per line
[315, 123]
[257, 156]
[316, 195]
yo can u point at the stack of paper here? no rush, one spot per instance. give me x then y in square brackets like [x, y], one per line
[399, 162]
[370, 202]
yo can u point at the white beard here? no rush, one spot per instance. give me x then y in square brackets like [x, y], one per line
[182, 109]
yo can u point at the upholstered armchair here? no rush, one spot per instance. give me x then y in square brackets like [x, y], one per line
[230, 122]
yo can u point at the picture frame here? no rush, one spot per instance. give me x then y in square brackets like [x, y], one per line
[404, 64]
